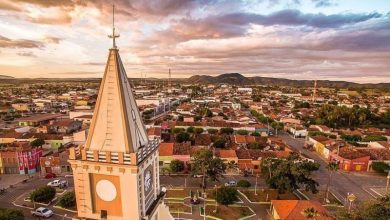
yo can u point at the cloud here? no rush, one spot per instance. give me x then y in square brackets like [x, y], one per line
[26, 54]
[20, 43]
[323, 3]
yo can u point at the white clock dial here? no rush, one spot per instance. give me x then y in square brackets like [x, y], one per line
[148, 180]
[106, 190]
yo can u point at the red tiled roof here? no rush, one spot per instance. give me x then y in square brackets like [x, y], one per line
[294, 209]
[225, 153]
[166, 149]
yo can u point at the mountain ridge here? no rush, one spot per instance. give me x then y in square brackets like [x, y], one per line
[239, 79]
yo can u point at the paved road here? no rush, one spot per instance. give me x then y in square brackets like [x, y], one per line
[13, 198]
[343, 182]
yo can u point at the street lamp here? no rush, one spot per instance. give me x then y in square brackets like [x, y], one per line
[216, 196]
[204, 205]
[256, 185]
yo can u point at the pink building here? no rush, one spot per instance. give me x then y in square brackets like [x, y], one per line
[28, 160]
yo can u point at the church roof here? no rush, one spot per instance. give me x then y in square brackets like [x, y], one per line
[116, 124]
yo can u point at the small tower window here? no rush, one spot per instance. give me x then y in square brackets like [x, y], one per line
[103, 214]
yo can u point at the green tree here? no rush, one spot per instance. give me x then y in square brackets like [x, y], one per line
[204, 164]
[37, 142]
[220, 143]
[190, 129]
[182, 137]
[212, 131]
[68, 200]
[226, 130]
[380, 167]
[177, 130]
[226, 195]
[378, 209]
[44, 194]
[331, 167]
[11, 214]
[256, 134]
[198, 130]
[290, 174]
[176, 166]
[242, 132]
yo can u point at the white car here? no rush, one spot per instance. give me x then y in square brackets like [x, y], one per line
[231, 183]
[58, 183]
[42, 212]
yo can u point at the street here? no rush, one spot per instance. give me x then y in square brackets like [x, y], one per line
[14, 198]
[343, 183]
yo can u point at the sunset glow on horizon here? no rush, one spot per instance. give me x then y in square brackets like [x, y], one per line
[295, 39]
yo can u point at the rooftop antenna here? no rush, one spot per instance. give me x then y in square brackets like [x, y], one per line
[113, 35]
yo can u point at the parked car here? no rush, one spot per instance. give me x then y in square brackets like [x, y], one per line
[42, 212]
[50, 175]
[231, 183]
[58, 183]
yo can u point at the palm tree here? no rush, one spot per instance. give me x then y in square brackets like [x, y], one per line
[331, 167]
[310, 213]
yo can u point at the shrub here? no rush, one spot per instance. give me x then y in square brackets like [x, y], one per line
[212, 130]
[351, 138]
[68, 200]
[177, 130]
[380, 167]
[44, 194]
[227, 130]
[254, 145]
[176, 166]
[198, 130]
[370, 138]
[243, 183]
[226, 195]
[242, 132]
[256, 134]
[11, 214]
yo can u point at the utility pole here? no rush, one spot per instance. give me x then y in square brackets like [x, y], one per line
[387, 184]
[256, 185]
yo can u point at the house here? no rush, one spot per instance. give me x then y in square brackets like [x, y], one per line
[186, 109]
[321, 144]
[379, 144]
[376, 155]
[85, 119]
[154, 133]
[21, 154]
[52, 141]
[249, 160]
[8, 162]
[56, 163]
[165, 153]
[226, 155]
[182, 152]
[350, 159]
[296, 130]
[294, 210]
[37, 119]
[65, 126]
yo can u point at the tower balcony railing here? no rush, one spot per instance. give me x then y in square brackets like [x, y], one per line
[80, 153]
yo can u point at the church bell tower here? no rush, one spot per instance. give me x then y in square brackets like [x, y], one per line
[116, 173]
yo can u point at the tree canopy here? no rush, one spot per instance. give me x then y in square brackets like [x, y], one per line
[204, 164]
[289, 174]
[176, 166]
[378, 209]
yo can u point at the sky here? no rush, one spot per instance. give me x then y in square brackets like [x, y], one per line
[295, 39]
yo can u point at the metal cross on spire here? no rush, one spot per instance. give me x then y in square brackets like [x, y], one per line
[113, 36]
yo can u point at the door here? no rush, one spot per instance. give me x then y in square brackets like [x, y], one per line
[358, 167]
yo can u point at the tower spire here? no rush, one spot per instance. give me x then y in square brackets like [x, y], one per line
[113, 36]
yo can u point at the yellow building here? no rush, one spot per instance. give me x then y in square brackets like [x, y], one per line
[116, 173]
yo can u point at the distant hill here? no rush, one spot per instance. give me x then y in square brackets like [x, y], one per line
[238, 79]
[6, 77]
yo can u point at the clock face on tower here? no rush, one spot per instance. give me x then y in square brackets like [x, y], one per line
[148, 180]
